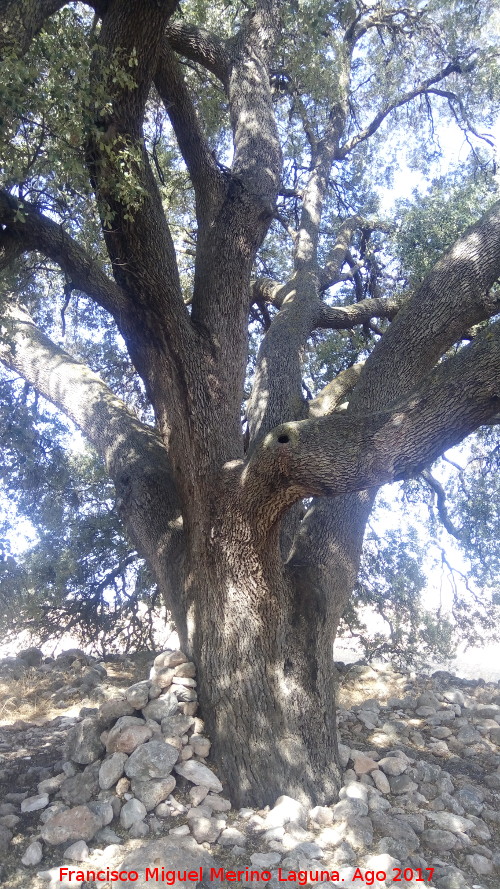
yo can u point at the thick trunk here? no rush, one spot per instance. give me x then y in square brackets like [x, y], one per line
[264, 658]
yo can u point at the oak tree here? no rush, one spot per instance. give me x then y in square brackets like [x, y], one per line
[195, 173]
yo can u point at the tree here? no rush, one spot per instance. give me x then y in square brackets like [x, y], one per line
[251, 526]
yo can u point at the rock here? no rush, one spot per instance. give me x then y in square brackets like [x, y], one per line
[152, 793]
[231, 836]
[204, 830]
[471, 799]
[393, 765]
[132, 811]
[137, 695]
[111, 770]
[128, 734]
[34, 803]
[348, 809]
[286, 810]
[104, 811]
[380, 780]
[155, 759]
[32, 657]
[169, 658]
[78, 851]
[321, 815]
[106, 836]
[176, 725]
[201, 746]
[362, 763]
[83, 744]
[139, 830]
[344, 755]
[78, 823]
[82, 787]
[480, 864]
[198, 773]
[402, 784]
[217, 803]
[197, 794]
[164, 706]
[33, 854]
[171, 853]
[186, 670]
[265, 859]
[51, 785]
[114, 709]
[440, 840]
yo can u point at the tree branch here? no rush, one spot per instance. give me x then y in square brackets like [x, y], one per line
[200, 46]
[439, 491]
[21, 21]
[372, 127]
[453, 297]
[27, 229]
[207, 179]
[346, 317]
[335, 392]
[347, 452]
[134, 455]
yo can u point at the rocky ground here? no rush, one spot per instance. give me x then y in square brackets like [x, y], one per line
[105, 765]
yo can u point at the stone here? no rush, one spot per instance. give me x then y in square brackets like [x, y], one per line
[186, 670]
[170, 658]
[380, 780]
[480, 864]
[198, 773]
[402, 784]
[82, 787]
[197, 794]
[78, 851]
[137, 695]
[204, 830]
[286, 810]
[103, 809]
[33, 854]
[172, 853]
[152, 793]
[362, 763]
[344, 755]
[265, 859]
[132, 811]
[231, 836]
[349, 809]
[83, 744]
[165, 705]
[471, 799]
[393, 765]
[201, 746]
[321, 815]
[34, 803]
[440, 840]
[217, 803]
[111, 770]
[155, 759]
[128, 734]
[78, 823]
[115, 708]
[139, 830]
[176, 725]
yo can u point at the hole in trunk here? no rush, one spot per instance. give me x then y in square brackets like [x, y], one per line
[283, 439]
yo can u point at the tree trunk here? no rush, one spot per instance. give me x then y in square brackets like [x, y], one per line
[264, 656]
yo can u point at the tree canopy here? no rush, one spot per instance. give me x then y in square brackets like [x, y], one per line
[203, 270]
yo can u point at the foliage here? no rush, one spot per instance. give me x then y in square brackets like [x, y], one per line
[81, 573]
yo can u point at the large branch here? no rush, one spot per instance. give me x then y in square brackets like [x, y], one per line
[454, 296]
[344, 452]
[200, 46]
[137, 236]
[21, 21]
[207, 178]
[135, 457]
[27, 229]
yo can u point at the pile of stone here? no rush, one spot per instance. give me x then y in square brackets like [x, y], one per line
[421, 790]
[123, 762]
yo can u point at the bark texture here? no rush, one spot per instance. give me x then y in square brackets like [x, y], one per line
[257, 585]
